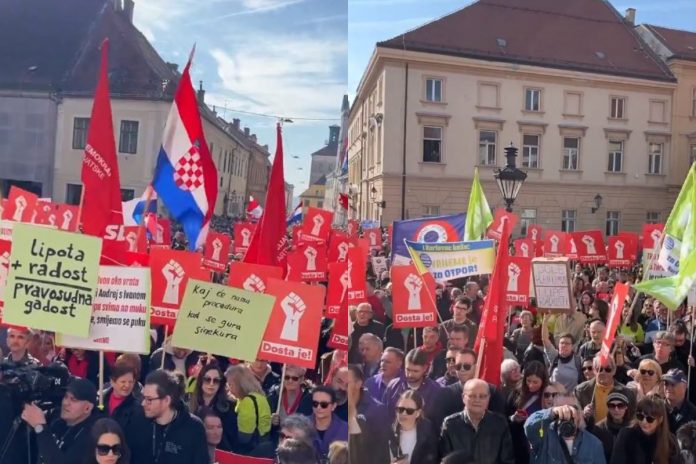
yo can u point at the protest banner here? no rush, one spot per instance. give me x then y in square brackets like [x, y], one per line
[339, 243]
[136, 239]
[222, 320]
[448, 261]
[317, 224]
[524, 247]
[44, 212]
[555, 244]
[338, 338]
[374, 238]
[66, 217]
[354, 275]
[519, 273]
[379, 265]
[52, 279]
[308, 263]
[217, 251]
[413, 305]
[426, 230]
[337, 289]
[296, 231]
[170, 272]
[534, 232]
[243, 232]
[163, 234]
[120, 319]
[590, 246]
[572, 249]
[5, 249]
[228, 457]
[651, 235]
[622, 250]
[615, 315]
[292, 333]
[495, 230]
[252, 277]
[20, 205]
[352, 228]
[551, 278]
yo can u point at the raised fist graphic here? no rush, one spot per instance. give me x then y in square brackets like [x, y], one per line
[655, 235]
[554, 243]
[514, 272]
[253, 283]
[573, 248]
[342, 251]
[413, 284]
[4, 268]
[318, 220]
[294, 309]
[67, 217]
[350, 228]
[173, 273]
[132, 239]
[52, 219]
[619, 246]
[217, 248]
[20, 206]
[346, 281]
[159, 236]
[311, 255]
[535, 232]
[525, 250]
[246, 237]
[589, 243]
[373, 239]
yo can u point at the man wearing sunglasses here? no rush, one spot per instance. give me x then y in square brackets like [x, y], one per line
[329, 426]
[593, 393]
[663, 348]
[679, 409]
[416, 378]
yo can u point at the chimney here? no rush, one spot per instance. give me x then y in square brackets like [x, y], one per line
[333, 134]
[235, 123]
[246, 131]
[631, 16]
[200, 93]
[253, 138]
[346, 104]
[128, 7]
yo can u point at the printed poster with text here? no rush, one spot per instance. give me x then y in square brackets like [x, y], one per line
[292, 333]
[52, 279]
[120, 316]
[222, 320]
[413, 297]
[252, 277]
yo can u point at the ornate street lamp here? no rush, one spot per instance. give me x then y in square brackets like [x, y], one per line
[598, 203]
[510, 179]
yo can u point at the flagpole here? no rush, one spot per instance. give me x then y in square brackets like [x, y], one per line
[164, 341]
[280, 392]
[101, 380]
[79, 209]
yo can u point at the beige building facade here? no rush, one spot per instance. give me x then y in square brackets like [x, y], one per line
[422, 121]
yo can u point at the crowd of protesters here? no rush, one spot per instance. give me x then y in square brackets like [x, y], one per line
[414, 397]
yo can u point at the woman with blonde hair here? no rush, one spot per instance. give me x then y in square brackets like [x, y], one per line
[646, 379]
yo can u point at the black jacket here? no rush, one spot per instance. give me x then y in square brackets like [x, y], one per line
[679, 417]
[425, 451]
[156, 361]
[606, 432]
[449, 401]
[491, 444]
[225, 409]
[75, 440]
[125, 411]
[182, 441]
[305, 406]
[632, 446]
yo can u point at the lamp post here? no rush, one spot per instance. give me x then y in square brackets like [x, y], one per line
[510, 179]
[598, 203]
[381, 204]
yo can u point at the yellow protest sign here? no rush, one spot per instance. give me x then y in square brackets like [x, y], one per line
[52, 279]
[222, 320]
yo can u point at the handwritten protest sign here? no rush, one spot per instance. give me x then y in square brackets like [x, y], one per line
[222, 320]
[120, 319]
[52, 279]
[551, 277]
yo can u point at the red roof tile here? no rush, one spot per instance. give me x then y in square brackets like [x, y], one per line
[682, 44]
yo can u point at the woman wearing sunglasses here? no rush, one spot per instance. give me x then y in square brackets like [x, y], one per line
[551, 391]
[647, 379]
[412, 439]
[296, 396]
[648, 440]
[329, 426]
[523, 403]
[109, 443]
[210, 392]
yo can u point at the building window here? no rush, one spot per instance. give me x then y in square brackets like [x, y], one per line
[657, 111]
[73, 194]
[306, 203]
[128, 142]
[433, 90]
[127, 194]
[431, 210]
[487, 141]
[530, 151]
[532, 99]
[528, 217]
[571, 153]
[615, 156]
[572, 103]
[320, 204]
[652, 217]
[655, 158]
[613, 219]
[432, 144]
[568, 218]
[79, 133]
[618, 107]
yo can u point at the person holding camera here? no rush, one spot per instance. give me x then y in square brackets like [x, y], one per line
[66, 439]
[557, 435]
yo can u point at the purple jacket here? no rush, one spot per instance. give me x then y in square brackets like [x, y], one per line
[337, 431]
[376, 386]
[428, 390]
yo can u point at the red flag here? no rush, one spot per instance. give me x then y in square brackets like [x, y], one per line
[269, 244]
[493, 316]
[101, 202]
[615, 310]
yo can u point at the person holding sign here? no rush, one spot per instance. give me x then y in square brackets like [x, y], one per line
[295, 397]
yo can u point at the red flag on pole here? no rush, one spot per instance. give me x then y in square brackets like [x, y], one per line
[493, 318]
[269, 244]
[101, 195]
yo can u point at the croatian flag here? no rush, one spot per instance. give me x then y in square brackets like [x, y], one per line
[296, 215]
[254, 209]
[133, 210]
[185, 176]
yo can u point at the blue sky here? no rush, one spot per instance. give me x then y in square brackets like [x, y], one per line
[371, 21]
[279, 57]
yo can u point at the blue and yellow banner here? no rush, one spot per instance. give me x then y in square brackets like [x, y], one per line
[453, 260]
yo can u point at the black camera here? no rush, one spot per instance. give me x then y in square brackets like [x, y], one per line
[44, 385]
[567, 428]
